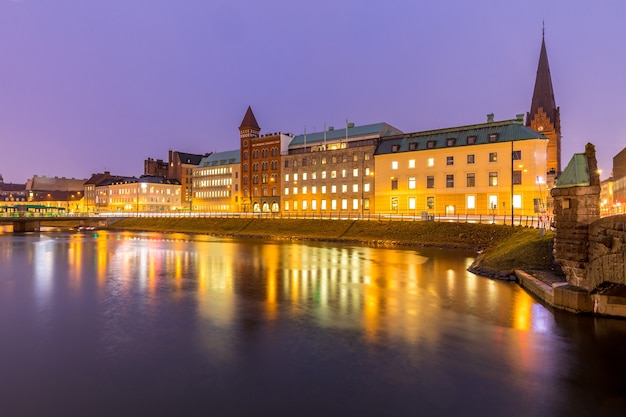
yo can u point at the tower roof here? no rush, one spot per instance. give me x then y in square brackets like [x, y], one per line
[249, 120]
[543, 95]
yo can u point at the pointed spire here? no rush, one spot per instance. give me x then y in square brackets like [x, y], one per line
[249, 120]
[543, 96]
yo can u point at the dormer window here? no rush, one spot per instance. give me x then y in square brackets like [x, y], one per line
[430, 144]
[395, 148]
[471, 140]
[493, 137]
[412, 146]
[450, 141]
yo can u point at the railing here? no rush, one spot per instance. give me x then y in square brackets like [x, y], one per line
[522, 220]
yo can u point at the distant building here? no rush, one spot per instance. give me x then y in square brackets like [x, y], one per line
[90, 203]
[606, 197]
[332, 171]
[619, 181]
[12, 193]
[180, 167]
[146, 194]
[216, 183]
[260, 155]
[61, 192]
[468, 170]
[156, 168]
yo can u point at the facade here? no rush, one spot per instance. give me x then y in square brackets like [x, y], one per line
[146, 194]
[12, 193]
[607, 207]
[60, 192]
[216, 183]
[475, 170]
[180, 168]
[545, 117]
[619, 182]
[333, 171]
[260, 179]
[89, 203]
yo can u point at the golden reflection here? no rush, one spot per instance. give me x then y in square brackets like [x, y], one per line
[522, 307]
[215, 292]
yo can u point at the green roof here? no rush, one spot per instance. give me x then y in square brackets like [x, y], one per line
[504, 131]
[376, 129]
[220, 158]
[576, 174]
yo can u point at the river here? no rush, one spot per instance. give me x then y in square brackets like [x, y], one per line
[133, 324]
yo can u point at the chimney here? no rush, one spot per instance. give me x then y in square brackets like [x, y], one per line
[490, 118]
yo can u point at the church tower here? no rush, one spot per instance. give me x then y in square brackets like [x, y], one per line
[544, 116]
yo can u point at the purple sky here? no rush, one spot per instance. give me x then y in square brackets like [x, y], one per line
[88, 86]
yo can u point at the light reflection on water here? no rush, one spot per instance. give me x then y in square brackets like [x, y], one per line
[174, 318]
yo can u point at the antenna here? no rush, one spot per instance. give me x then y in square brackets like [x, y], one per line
[543, 29]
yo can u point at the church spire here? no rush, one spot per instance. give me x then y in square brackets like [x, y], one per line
[249, 121]
[544, 116]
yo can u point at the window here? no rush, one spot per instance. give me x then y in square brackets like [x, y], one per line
[471, 179]
[355, 172]
[304, 176]
[470, 158]
[295, 176]
[313, 205]
[411, 183]
[411, 163]
[394, 203]
[333, 189]
[313, 175]
[355, 188]
[517, 155]
[323, 189]
[295, 190]
[493, 202]
[344, 173]
[333, 174]
[450, 141]
[412, 146]
[323, 175]
[355, 204]
[286, 177]
[517, 201]
[493, 179]
[493, 157]
[471, 201]
[450, 181]
[304, 162]
[286, 205]
[295, 165]
[333, 160]
[286, 190]
[344, 188]
[517, 177]
[366, 187]
[430, 162]
[430, 144]
[366, 204]
[323, 205]
[333, 204]
[314, 190]
[355, 158]
[344, 204]
[395, 148]
[394, 183]
[394, 164]
[449, 160]
[471, 140]
[493, 137]
[305, 205]
[412, 203]
[430, 202]
[323, 161]
[430, 181]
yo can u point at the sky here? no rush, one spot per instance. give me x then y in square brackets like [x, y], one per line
[89, 86]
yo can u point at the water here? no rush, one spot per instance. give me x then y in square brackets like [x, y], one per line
[116, 324]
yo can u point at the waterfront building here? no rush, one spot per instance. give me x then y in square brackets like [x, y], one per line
[260, 157]
[216, 182]
[90, 201]
[607, 205]
[60, 192]
[146, 194]
[545, 117]
[469, 170]
[180, 167]
[332, 171]
[12, 193]
[156, 168]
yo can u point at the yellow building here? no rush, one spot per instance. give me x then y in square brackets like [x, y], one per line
[140, 195]
[216, 183]
[475, 170]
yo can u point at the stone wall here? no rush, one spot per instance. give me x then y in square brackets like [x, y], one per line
[607, 251]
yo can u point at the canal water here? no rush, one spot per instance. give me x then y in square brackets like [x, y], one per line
[147, 324]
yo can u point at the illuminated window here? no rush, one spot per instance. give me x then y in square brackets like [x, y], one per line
[333, 204]
[493, 179]
[412, 203]
[430, 162]
[344, 188]
[411, 163]
[412, 183]
[344, 204]
[314, 190]
[355, 204]
[394, 164]
[493, 157]
[517, 201]
[471, 201]
[355, 188]
[493, 202]
[366, 187]
[333, 189]
[355, 172]
[323, 204]
[323, 189]
[430, 202]
[333, 174]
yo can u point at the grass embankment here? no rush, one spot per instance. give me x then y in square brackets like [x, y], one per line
[505, 248]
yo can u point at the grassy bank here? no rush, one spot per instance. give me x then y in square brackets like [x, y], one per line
[504, 248]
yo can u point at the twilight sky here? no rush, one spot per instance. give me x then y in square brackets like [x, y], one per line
[94, 85]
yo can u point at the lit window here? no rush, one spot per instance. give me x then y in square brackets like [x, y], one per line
[517, 201]
[355, 172]
[286, 177]
[493, 157]
[355, 204]
[430, 202]
[355, 188]
[411, 163]
[344, 188]
[412, 203]
[493, 179]
[366, 187]
[323, 189]
[412, 183]
[323, 204]
[333, 189]
[314, 190]
[394, 164]
[344, 204]
[471, 201]
[431, 162]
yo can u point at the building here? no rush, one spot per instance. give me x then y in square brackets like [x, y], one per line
[476, 170]
[155, 168]
[216, 183]
[180, 167]
[60, 192]
[332, 171]
[619, 182]
[607, 206]
[545, 117]
[260, 155]
[146, 194]
[90, 204]
[12, 193]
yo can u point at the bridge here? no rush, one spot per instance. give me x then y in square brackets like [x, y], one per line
[31, 222]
